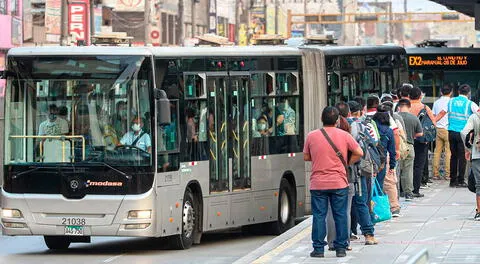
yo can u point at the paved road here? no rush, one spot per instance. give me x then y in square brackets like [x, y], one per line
[442, 223]
[225, 247]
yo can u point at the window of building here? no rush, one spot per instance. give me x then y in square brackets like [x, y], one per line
[3, 7]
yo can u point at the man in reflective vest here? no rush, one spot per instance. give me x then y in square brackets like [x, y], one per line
[459, 110]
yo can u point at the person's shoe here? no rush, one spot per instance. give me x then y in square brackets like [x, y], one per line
[354, 237]
[430, 181]
[349, 248]
[341, 253]
[462, 185]
[370, 240]
[477, 217]
[396, 213]
[418, 195]
[316, 254]
[408, 196]
[402, 194]
[452, 185]
[424, 186]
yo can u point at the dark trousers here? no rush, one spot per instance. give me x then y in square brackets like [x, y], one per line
[426, 173]
[457, 160]
[339, 202]
[418, 164]
[362, 210]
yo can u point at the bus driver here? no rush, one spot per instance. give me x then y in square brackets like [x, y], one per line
[137, 137]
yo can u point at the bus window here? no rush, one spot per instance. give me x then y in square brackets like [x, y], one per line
[195, 86]
[262, 84]
[287, 83]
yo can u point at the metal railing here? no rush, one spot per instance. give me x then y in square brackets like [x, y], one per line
[63, 138]
[420, 258]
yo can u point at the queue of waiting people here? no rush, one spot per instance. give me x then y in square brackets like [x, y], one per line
[401, 128]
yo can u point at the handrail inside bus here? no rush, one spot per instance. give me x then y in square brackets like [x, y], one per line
[61, 137]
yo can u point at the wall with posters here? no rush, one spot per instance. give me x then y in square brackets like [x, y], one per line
[11, 21]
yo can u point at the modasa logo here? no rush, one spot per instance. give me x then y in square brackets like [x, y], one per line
[104, 183]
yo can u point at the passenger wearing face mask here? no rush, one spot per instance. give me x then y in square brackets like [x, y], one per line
[289, 117]
[262, 127]
[137, 137]
[54, 125]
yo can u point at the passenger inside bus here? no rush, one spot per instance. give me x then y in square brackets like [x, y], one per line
[120, 118]
[262, 129]
[137, 137]
[54, 125]
[289, 116]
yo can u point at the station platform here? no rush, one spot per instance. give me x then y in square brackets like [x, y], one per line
[441, 222]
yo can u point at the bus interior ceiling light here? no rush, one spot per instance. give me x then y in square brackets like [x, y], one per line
[140, 214]
[11, 213]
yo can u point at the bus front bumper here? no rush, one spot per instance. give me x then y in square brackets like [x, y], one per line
[94, 215]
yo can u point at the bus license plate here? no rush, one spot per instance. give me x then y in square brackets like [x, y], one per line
[74, 230]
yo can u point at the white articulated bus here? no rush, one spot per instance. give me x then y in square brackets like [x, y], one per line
[152, 142]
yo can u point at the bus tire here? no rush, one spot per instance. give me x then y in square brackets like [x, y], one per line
[189, 222]
[286, 209]
[57, 242]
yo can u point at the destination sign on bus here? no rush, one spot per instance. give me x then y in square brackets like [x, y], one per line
[438, 61]
[444, 61]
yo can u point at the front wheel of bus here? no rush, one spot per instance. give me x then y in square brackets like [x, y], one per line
[57, 242]
[286, 209]
[189, 222]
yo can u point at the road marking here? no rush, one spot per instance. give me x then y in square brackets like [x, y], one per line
[113, 258]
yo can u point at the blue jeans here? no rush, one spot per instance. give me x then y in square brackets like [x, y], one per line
[362, 211]
[339, 201]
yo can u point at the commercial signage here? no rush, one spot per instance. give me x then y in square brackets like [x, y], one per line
[447, 61]
[78, 22]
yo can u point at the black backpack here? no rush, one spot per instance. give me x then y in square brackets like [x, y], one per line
[429, 130]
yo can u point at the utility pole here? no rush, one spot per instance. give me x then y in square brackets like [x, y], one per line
[92, 20]
[276, 17]
[405, 9]
[305, 11]
[237, 21]
[193, 19]
[180, 38]
[64, 24]
[147, 13]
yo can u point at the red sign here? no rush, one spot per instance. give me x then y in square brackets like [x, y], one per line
[78, 26]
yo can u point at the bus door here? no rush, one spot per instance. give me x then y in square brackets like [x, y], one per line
[218, 133]
[239, 130]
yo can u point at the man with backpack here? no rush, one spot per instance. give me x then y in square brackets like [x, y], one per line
[360, 207]
[427, 119]
[413, 129]
[472, 146]
[460, 108]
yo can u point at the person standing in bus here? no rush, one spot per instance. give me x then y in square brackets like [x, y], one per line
[460, 108]
[328, 182]
[421, 148]
[137, 137]
[440, 110]
[54, 125]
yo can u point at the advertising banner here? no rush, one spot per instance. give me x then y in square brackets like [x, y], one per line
[53, 13]
[130, 6]
[78, 22]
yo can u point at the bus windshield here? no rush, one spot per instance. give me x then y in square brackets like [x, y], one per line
[79, 109]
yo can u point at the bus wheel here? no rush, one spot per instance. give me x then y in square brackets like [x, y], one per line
[189, 222]
[57, 242]
[286, 209]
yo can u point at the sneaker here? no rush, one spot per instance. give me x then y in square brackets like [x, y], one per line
[370, 240]
[462, 185]
[452, 185]
[354, 237]
[424, 186]
[396, 213]
[316, 254]
[477, 217]
[349, 248]
[408, 196]
[402, 194]
[418, 195]
[341, 253]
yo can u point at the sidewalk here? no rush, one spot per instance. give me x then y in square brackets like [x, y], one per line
[442, 222]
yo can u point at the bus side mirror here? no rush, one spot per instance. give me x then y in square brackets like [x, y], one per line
[163, 108]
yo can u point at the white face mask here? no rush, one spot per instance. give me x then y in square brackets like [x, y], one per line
[136, 127]
[262, 126]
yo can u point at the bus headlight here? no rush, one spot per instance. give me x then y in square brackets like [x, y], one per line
[140, 214]
[11, 213]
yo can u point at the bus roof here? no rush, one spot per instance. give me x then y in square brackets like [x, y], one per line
[359, 50]
[74, 50]
[442, 50]
[169, 52]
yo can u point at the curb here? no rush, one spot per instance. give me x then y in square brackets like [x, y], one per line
[274, 243]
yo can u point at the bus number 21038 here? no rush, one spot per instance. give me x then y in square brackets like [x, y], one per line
[73, 221]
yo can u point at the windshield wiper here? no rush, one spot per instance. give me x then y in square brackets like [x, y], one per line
[25, 172]
[128, 177]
